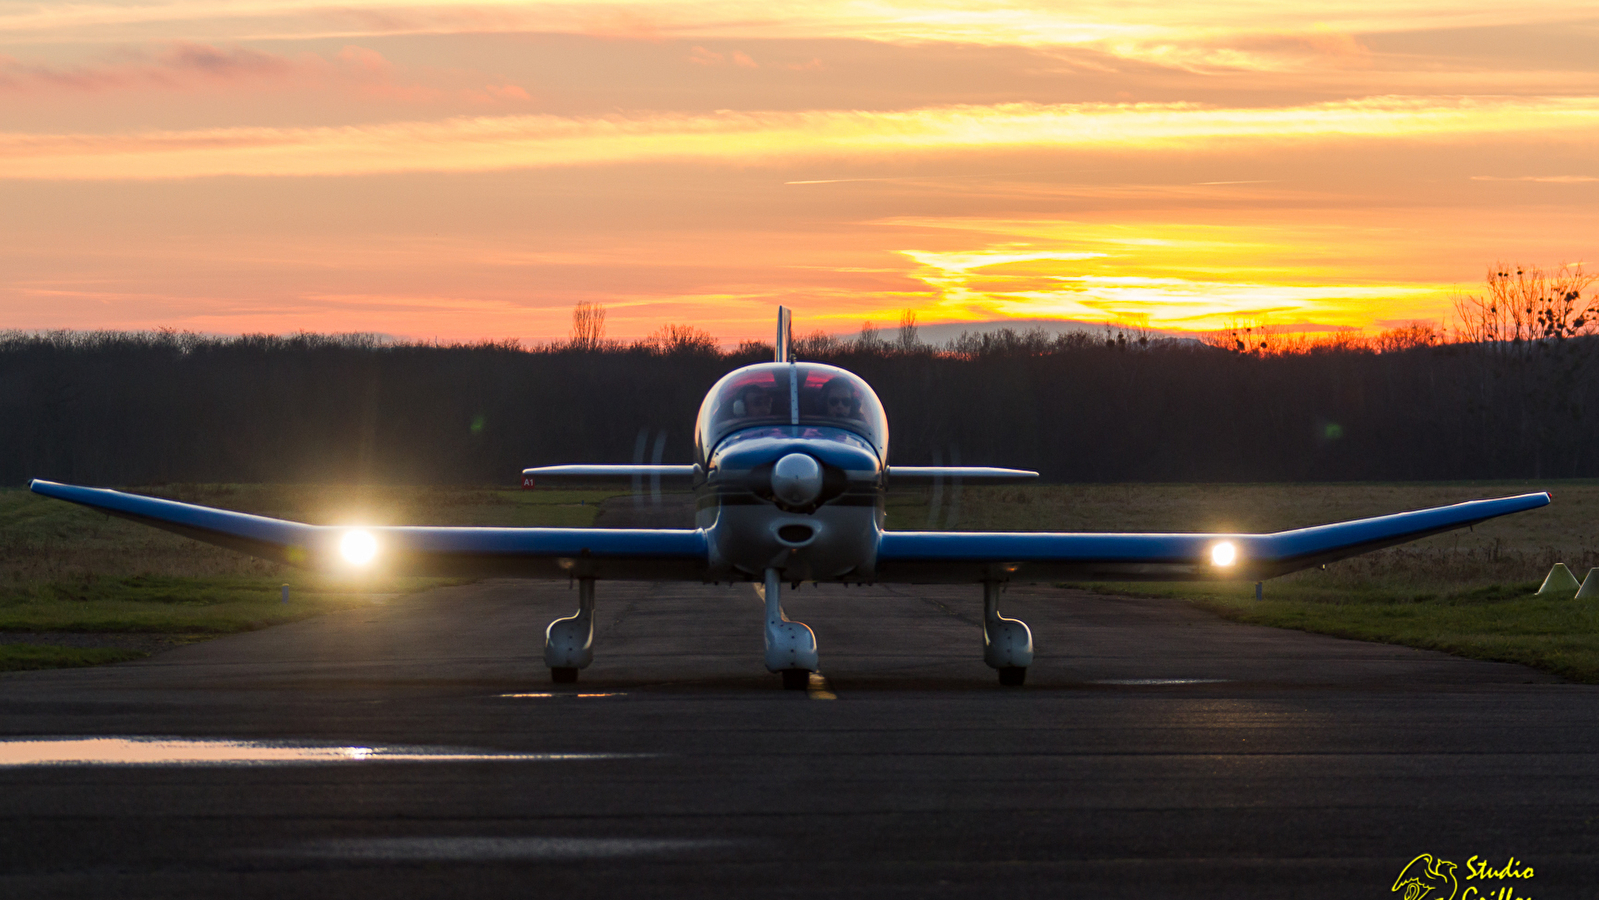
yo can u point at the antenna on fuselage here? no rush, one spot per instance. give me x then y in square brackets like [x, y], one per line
[783, 318]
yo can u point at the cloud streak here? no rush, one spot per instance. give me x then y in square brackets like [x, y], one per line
[186, 66]
[1016, 23]
[179, 65]
[511, 142]
[1541, 179]
[1351, 162]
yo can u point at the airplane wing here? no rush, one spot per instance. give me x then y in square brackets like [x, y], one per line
[900, 475]
[951, 557]
[611, 553]
[671, 474]
[905, 557]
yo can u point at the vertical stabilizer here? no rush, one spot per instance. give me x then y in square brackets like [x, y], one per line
[782, 333]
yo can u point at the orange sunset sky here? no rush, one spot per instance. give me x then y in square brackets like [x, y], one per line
[470, 170]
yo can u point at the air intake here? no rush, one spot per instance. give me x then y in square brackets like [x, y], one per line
[795, 534]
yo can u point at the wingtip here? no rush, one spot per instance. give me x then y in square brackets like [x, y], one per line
[47, 488]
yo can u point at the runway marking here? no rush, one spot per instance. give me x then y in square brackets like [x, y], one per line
[485, 849]
[552, 694]
[158, 751]
[819, 689]
[1146, 681]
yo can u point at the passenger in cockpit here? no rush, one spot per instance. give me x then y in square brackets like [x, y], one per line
[838, 399]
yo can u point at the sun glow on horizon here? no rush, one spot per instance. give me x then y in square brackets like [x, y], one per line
[1162, 275]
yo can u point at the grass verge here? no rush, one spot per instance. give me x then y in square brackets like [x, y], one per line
[1500, 623]
[176, 605]
[64, 568]
[20, 657]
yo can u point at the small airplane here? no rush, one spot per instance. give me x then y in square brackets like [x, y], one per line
[790, 472]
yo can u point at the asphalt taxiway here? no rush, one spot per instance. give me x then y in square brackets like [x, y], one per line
[416, 748]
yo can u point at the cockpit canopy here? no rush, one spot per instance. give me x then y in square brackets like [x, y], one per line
[764, 396]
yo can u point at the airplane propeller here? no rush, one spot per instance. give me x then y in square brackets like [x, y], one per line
[656, 455]
[936, 501]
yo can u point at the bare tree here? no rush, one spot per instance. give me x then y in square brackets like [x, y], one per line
[674, 339]
[816, 345]
[588, 325]
[908, 339]
[869, 341]
[1247, 337]
[1525, 306]
[1407, 337]
[1531, 380]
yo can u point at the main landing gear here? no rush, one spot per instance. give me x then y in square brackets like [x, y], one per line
[1007, 643]
[790, 646]
[569, 642]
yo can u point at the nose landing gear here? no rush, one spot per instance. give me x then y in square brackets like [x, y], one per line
[1007, 643]
[569, 642]
[790, 646]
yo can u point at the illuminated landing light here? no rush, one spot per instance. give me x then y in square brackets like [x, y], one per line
[1223, 554]
[154, 751]
[358, 547]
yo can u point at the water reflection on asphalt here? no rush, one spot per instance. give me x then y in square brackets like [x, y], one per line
[1150, 681]
[166, 751]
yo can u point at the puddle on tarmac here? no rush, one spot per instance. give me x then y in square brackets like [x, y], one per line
[551, 695]
[1147, 681]
[481, 849]
[160, 751]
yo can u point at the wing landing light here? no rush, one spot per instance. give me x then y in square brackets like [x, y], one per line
[612, 553]
[955, 557]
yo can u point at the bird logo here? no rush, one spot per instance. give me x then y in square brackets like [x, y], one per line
[1425, 879]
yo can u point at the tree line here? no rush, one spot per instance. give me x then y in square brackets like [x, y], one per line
[1514, 399]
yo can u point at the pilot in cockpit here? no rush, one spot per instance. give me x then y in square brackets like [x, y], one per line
[754, 402]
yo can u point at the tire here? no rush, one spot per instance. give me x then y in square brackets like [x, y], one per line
[563, 675]
[796, 679]
[1013, 676]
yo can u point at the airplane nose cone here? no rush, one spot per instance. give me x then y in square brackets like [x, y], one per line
[797, 479]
